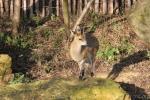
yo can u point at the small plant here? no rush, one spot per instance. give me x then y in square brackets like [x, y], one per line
[125, 47]
[19, 78]
[110, 53]
[148, 54]
[36, 20]
[47, 33]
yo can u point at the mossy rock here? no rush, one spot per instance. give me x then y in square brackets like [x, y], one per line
[139, 18]
[65, 89]
[5, 65]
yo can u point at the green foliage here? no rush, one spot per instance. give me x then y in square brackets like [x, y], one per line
[36, 20]
[96, 20]
[18, 41]
[148, 54]
[47, 33]
[53, 17]
[125, 47]
[19, 78]
[110, 53]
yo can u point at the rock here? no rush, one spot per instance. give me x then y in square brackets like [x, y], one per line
[5, 66]
[65, 89]
[139, 18]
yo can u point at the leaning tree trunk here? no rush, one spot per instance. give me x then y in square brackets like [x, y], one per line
[82, 14]
[16, 17]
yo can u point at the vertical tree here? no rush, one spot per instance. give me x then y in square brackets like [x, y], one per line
[104, 6]
[50, 7]
[69, 6]
[24, 7]
[96, 6]
[116, 6]
[6, 7]
[127, 5]
[57, 7]
[110, 7]
[1, 8]
[43, 8]
[74, 6]
[101, 7]
[37, 7]
[31, 8]
[11, 7]
[66, 13]
[16, 17]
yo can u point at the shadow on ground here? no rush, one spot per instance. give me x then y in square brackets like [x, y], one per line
[135, 92]
[20, 57]
[132, 59]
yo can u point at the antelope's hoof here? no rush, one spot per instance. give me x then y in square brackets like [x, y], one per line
[81, 77]
[92, 74]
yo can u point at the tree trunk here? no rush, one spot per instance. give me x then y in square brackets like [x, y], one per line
[101, 7]
[74, 7]
[1, 8]
[82, 14]
[96, 6]
[43, 8]
[66, 13]
[116, 6]
[80, 6]
[6, 6]
[11, 8]
[16, 17]
[110, 7]
[37, 7]
[57, 7]
[50, 8]
[31, 8]
[104, 6]
[127, 5]
[24, 8]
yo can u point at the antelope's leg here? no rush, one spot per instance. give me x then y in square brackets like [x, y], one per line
[81, 69]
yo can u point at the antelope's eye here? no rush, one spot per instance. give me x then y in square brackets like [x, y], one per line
[80, 39]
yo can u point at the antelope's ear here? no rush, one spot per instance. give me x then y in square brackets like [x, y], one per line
[72, 33]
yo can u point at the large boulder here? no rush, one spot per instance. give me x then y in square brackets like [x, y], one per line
[5, 67]
[139, 18]
[65, 89]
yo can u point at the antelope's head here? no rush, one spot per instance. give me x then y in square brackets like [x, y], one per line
[79, 36]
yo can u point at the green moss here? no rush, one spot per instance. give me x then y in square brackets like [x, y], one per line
[64, 89]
